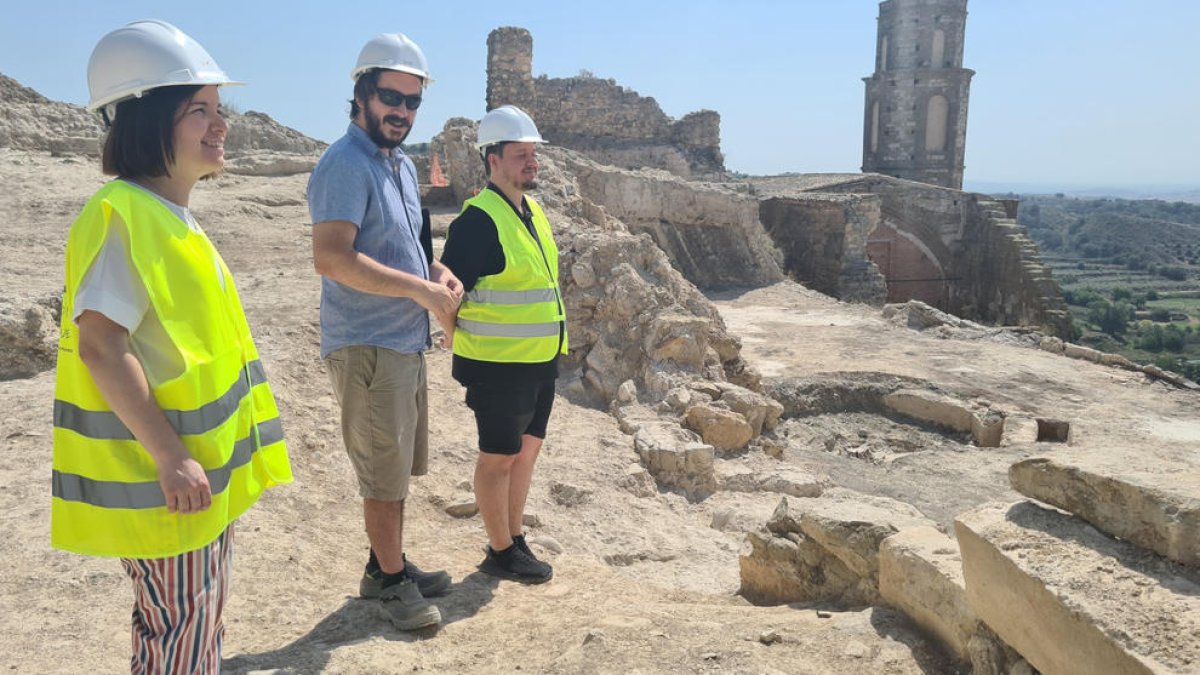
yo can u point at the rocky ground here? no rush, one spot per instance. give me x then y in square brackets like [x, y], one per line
[645, 580]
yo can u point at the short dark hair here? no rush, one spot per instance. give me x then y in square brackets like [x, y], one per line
[493, 149]
[141, 141]
[364, 88]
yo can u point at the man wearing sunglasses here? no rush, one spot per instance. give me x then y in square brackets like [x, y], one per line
[377, 288]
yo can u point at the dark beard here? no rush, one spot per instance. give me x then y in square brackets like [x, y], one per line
[529, 185]
[375, 131]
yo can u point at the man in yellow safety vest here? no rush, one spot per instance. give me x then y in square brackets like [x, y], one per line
[508, 333]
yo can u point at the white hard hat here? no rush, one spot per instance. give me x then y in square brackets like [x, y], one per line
[508, 123]
[392, 51]
[146, 55]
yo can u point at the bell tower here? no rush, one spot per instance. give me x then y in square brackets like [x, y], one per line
[916, 104]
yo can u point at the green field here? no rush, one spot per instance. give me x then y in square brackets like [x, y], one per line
[1129, 272]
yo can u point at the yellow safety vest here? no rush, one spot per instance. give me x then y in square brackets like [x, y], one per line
[106, 496]
[515, 316]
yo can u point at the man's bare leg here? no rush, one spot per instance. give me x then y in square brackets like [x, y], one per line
[385, 525]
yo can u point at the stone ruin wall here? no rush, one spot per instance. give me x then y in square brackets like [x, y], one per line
[823, 240]
[975, 261]
[607, 122]
[710, 232]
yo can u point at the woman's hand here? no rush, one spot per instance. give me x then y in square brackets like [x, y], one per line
[185, 485]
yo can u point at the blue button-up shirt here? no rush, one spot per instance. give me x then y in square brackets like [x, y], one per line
[357, 182]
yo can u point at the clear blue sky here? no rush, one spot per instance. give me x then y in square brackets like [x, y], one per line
[1099, 92]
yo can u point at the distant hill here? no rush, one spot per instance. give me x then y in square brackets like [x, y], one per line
[1165, 192]
[1139, 234]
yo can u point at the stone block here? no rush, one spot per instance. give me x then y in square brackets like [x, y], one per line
[1051, 344]
[681, 339]
[851, 526]
[931, 407]
[792, 482]
[920, 573]
[1086, 353]
[1158, 510]
[1018, 430]
[672, 456]
[723, 429]
[638, 481]
[733, 476]
[791, 568]
[761, 412]
[1070, 599]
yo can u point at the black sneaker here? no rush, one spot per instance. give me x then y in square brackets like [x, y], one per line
[515, 564]
[431, 584]
[519, 542]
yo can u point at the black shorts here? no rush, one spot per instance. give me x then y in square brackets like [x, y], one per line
[505, 411]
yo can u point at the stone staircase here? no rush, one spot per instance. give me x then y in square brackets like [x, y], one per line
[1038, 278]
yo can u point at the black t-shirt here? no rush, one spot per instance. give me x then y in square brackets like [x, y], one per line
[473, 250]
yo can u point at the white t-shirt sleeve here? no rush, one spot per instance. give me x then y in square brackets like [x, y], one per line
[111, 286]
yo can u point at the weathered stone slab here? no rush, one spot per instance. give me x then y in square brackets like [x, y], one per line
[1155, 510]
[920, 573]
[931, 407]
[793, 482]
[733, 476]
[1072, 600]
[851, 525]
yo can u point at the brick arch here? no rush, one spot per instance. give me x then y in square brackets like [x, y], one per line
[912, 270]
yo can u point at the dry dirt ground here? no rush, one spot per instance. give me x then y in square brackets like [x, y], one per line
[642, 583]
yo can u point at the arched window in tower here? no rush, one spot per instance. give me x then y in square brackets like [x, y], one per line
[875, 126]
[936, 116]
[883, 49]
[939, 48]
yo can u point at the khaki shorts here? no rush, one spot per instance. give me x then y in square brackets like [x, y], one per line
[385, 417]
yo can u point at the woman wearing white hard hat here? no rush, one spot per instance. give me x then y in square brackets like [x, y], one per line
[165, 429]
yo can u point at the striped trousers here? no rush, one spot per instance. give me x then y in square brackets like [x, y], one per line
[177, 607]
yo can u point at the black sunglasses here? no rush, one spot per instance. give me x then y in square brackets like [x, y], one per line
[394, 99]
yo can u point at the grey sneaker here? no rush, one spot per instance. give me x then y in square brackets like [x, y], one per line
[406, 608]
[431, 584]
[515, 564]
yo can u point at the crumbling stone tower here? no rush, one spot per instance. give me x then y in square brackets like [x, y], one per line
[916, 108]
[605, 121]
[510, 68]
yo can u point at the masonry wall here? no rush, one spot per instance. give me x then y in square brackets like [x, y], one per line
[992, 271]
[610, 123]
[710, 232]
[958, 251]
[824, 241]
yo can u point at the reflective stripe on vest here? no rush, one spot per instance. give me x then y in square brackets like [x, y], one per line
[106, 498]
[516, 315]
[105, 424]
[499, 297]
[111, 494]
[516, 330]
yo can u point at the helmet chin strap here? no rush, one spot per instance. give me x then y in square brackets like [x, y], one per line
[107, 113]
